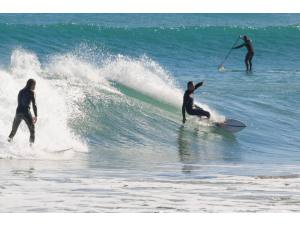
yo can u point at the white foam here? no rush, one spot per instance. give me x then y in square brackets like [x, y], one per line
[52, 130]
[150, 78]
[66, 80]
[141, 74]
[140, 192]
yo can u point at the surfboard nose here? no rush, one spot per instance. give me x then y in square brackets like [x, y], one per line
[232, 125]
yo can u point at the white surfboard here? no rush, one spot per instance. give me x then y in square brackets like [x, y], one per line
[231, 125]
[58, 150]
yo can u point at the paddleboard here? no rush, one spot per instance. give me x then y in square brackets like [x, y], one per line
[223, 70]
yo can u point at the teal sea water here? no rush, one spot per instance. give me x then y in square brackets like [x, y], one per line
[110, 86]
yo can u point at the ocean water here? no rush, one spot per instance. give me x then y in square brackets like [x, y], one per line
[110, 87]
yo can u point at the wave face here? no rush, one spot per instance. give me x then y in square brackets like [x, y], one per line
[121, 101]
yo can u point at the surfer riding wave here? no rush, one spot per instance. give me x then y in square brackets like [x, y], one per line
[188, 102]
[26, 96]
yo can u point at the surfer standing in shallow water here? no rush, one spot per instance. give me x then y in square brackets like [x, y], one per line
[188, 102]
[26, 96]
[248, 59]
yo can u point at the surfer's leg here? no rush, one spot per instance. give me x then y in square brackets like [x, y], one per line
[250, 61]
[31, 127]
[247, 61]
[206, 113]
[15, 126]
[200, 112]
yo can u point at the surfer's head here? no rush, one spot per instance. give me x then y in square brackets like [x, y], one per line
[190, 86]
[30, 84]
[245, 38]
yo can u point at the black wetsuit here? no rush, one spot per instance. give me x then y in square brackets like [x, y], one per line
[249, 55]
[188, 104]
[25, 98]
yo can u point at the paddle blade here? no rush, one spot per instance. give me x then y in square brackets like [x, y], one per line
[221, 68]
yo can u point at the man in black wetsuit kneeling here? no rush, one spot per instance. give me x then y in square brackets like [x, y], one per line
[26, 96]
[188, 102]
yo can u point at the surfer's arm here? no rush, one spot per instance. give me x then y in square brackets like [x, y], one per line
[19, 98]
[34, 105]
[239, 46]
[183, 108]
[197, 107]
[198, 85]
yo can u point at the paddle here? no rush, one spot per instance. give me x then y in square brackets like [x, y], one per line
[221, 66]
